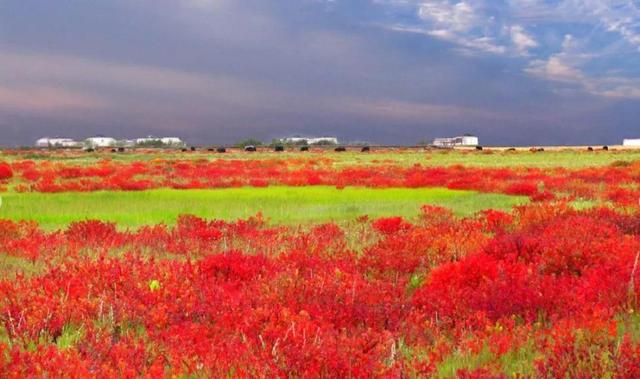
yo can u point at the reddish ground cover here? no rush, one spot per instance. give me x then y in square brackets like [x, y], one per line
[610, 183]
[545, 290]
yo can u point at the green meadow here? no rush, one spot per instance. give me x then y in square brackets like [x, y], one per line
[566, 158]
[279, 205]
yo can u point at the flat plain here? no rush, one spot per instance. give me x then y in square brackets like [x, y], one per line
[390, 263]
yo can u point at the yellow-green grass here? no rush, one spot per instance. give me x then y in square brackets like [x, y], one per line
[567, 158]
[280, 205]
[499, 158]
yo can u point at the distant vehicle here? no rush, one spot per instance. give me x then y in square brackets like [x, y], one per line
[250, 148]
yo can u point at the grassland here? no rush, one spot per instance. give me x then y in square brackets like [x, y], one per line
[567, 158]
[287, 205]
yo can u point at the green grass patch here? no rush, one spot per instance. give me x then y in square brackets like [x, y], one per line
[450, 366]
[10, 265]
[282, 205]
[569, 159]
[517, 363]
[69, 336]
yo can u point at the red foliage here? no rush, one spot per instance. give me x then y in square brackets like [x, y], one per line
[615, 184]
[390, 225]
[251, 300]
[5, 171]
[523, 188]
[388, 297]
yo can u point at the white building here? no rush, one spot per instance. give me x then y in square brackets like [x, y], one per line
[57, 142]
[634, 142]
[145, 140]
[100, 141]
[172, 141]
[466, 140]
[311, 140]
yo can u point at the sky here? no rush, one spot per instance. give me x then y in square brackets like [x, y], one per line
[513, 72]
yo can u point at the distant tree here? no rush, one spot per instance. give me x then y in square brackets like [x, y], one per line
[424, 142]
[248, 142]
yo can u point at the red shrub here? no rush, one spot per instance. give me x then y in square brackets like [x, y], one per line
[5, 171]
[522, 188]
[390, 225]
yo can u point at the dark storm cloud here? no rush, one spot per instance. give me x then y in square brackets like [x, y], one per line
[214, 71]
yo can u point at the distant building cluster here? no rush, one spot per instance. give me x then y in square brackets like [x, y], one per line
[57, 142]
[632, 142]
[166, 141]
[310, 140]
[102, 142]
[465, 140]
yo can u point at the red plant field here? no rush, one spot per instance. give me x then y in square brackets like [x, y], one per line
[608, 183]
[542, 291]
